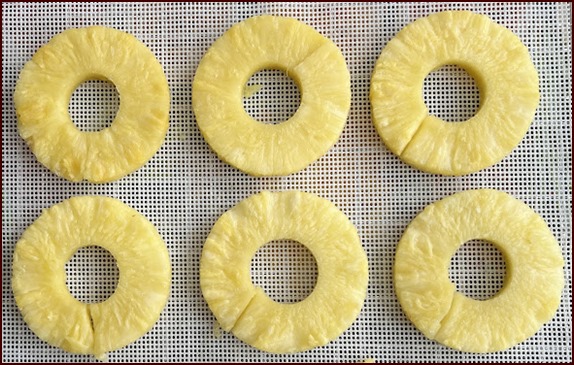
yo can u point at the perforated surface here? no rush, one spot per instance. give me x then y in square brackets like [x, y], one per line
[285, 269]
[92, 274]
[185, 187]
[478, 269]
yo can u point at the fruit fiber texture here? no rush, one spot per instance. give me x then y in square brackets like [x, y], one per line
[532, 287]
[492, 55]
[46, 84]
[246, 310]
[39, 276]
[271, 42]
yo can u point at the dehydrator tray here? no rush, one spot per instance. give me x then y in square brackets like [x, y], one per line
[184, 188]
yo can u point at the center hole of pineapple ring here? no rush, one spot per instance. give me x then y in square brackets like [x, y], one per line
[94, 105]
[451, 94]
[478, 270]
[92, 274]
[271, 97]
[285, 269]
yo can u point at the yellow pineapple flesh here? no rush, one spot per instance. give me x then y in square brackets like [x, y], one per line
[492, 55]
[534, 271]
[270, 42]
[39, 277]
[247, 310]
[46, 84]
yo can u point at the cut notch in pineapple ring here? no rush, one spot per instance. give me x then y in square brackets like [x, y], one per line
[39, 276]
[316, 65]
[246, 310]
[496, 59]
[46, 84]
[532, 288]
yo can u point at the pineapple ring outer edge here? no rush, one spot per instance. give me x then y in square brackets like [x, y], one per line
[313, 61]
[246, 310]
[45, 86]
[532, 288]
[39, 277]
[492, 55]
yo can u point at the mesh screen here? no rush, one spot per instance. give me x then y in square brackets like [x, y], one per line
[92, 274]
[478, 269]
[451, 94]
[285, 269]
[185, 187]
[271, 97]
[93, 105]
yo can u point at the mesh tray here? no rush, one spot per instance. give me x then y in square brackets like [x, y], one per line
[185, 187]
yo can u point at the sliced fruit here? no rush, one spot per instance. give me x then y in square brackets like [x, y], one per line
[246, 310]
[45, 87]
[39, 277]
[271, 42]
[534, 271]
[492, 55]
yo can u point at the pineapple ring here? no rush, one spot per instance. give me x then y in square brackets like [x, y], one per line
[492, 55]
[45, 87]
[39, 278]
[534, 272]
[246, 310]
[270, 42]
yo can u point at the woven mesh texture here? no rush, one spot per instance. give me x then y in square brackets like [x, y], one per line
[184, 188]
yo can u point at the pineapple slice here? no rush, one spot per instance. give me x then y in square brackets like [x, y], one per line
[490, 53]
[270, 42]
[246, 310]
[39, 277]
[45, 87]
[534, 271]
